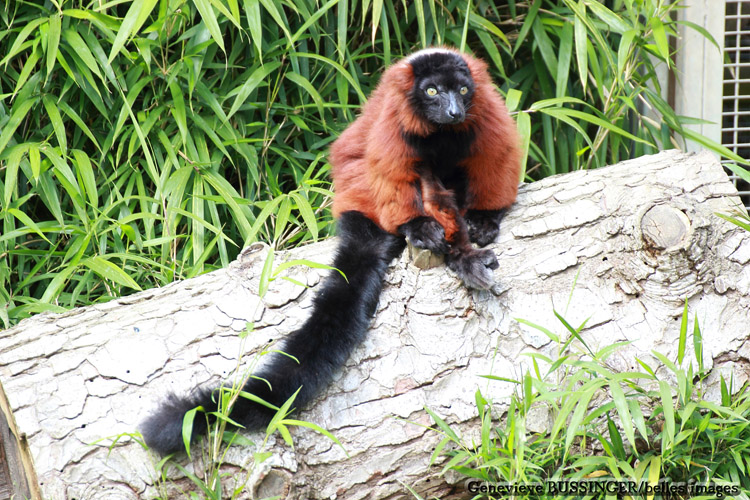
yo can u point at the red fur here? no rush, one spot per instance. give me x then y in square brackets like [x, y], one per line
[374, 169]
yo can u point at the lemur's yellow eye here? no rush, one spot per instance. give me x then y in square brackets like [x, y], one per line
[431, 91]
[464, 90]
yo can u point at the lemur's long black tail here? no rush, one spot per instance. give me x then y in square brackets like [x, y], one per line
[341, 315]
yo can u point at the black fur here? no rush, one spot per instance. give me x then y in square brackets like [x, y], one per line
[447, 73]
[425, 232]
[341, 315]
[484, 225]
[441, 153]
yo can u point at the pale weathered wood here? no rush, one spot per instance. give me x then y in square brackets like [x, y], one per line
[638, 237]
[17, 475]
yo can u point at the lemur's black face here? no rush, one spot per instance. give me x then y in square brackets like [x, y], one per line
[443, 87]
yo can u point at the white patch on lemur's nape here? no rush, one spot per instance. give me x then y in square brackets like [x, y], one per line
[429, 51]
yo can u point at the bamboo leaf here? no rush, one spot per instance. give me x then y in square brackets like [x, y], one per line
[256, 77]
[70, 112]
[660, 37]
[178, 109]
[638, 420]
[465, 30]
[316, 97]
[110, 271]
[581, 42]
[255, 25]
[57, 124]
[35, 161]
[306, 211]
[703, 31]
[282, 218]
[11, 173]
[623, 51]
[481, 22]
[563, 60]
[28, 67]
[698, 342]
[53, 41]
[270, 6]
[142, 138]
[126, 28]
[232, 13]
[419, 9]
[209, 19]
[18, 113]
[528, 22]
[668, 432]
[28, 222]
[22, 36]
[582, 405]
[654, 471]
[450, 433]
[717, 148]
[579, 9]
[599, 122]
[73, 39]
[312, 20]
[343, 19]
[618, 396]
[86, 172]
[615, 22]
[546, 47]
[228, 193]
[339, 68]
[377, 10]
[57, 283]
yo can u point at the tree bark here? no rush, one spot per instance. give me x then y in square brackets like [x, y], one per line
[623, 246]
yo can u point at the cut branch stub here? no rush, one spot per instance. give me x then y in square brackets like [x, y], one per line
[665, 227]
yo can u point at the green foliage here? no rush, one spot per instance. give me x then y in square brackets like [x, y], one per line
[588, 76]
[147, 141]
[143, 141]
[641, 426]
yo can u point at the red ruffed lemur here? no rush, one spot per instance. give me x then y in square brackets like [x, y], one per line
[435, 158]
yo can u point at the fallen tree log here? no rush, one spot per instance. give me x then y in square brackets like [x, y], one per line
[636, 239]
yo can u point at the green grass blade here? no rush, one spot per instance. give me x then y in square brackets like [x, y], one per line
[668, 431]
[683, 335]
